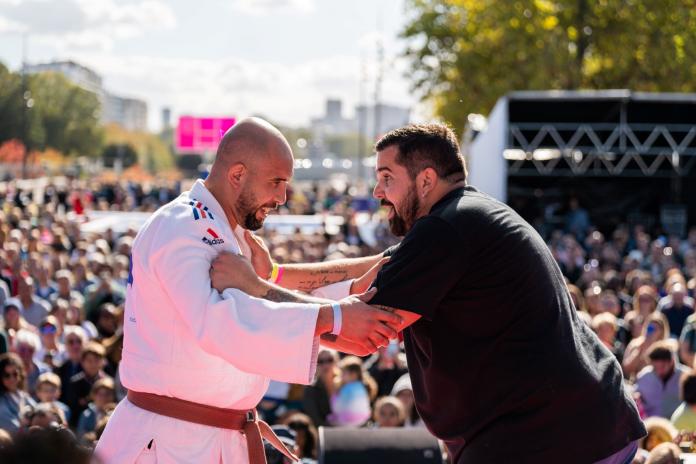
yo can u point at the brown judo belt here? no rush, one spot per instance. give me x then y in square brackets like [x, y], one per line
[246, 421]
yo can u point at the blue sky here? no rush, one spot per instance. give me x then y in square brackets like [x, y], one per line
[278, 58]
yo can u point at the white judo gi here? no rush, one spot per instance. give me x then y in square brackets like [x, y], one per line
[185, 340]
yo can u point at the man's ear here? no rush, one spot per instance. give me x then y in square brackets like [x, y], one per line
[236, 174]
[426, 180]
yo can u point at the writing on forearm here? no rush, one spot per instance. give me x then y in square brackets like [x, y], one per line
[320, 278]
[281, 296]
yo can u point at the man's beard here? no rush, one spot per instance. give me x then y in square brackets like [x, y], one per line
[247, 207]
[400, 225]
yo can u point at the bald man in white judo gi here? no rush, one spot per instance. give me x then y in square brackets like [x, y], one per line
[197, 361]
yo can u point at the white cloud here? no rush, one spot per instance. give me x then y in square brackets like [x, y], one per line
[7, 26]
[263, 7]
[369, 40]
[288, 94]
[85, 23]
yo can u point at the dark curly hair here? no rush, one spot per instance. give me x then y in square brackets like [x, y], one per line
[11, 359]
[424, 146]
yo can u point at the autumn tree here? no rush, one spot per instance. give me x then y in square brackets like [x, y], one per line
[465, 54]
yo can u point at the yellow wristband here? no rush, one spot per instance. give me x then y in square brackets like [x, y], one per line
[274, 273]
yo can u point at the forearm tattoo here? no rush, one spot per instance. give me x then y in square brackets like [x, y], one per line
[281, 296]
[321, 278]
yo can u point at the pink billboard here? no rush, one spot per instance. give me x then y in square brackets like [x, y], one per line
[198, 135]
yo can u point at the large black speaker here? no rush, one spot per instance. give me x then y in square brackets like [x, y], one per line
[339, 445]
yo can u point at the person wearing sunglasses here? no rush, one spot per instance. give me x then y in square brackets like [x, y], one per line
[75, 339]
[51, 352]
[13, 394]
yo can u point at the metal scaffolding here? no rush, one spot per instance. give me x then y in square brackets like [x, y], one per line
[605, 149]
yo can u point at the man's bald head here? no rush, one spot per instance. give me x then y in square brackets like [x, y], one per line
[251, 171]
[250, 141]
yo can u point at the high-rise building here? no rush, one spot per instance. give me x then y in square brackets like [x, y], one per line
[130, 113]
[380, 119]
[333, 122]
[74, 72]
[166, 118]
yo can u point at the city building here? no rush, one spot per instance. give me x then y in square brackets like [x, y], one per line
[130, 113]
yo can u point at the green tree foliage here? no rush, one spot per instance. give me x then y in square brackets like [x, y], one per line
[69, 115]
[465, 54]
[10, 104]
[60, 115]
[152, 152]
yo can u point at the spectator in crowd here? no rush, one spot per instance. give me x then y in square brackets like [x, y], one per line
[4, 289]
[389, 412]
[655, 330]
[577, 219]
[75, 339]
[592, 298]
[103, 395]
[274, 402]
[660, 430]
[350, 405]
[113, 347]
[107, 320]
[687, 341]
[658, 383]
[45, 288]
[52, 351]
[287, 437]
[684, 418]
[77, 392]
[34, 309]
[44, 415]
[45, 244]
[605, 326]
[609, 302]
[13, 319]
[13, 394]
[75, 316]
[46, 446]
[64, 287]
[26, 345]
[404, 392]
[48, 391]
[677, 307]
[644, 304]
[106, 290]
[306, 434]
[664, 453]
[386, 367]
[83, 277]
[317, 397]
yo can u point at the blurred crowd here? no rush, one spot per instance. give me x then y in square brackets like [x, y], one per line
[62, 294]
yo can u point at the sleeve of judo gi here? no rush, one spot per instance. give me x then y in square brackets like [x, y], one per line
[261, 337]
[335, 292]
